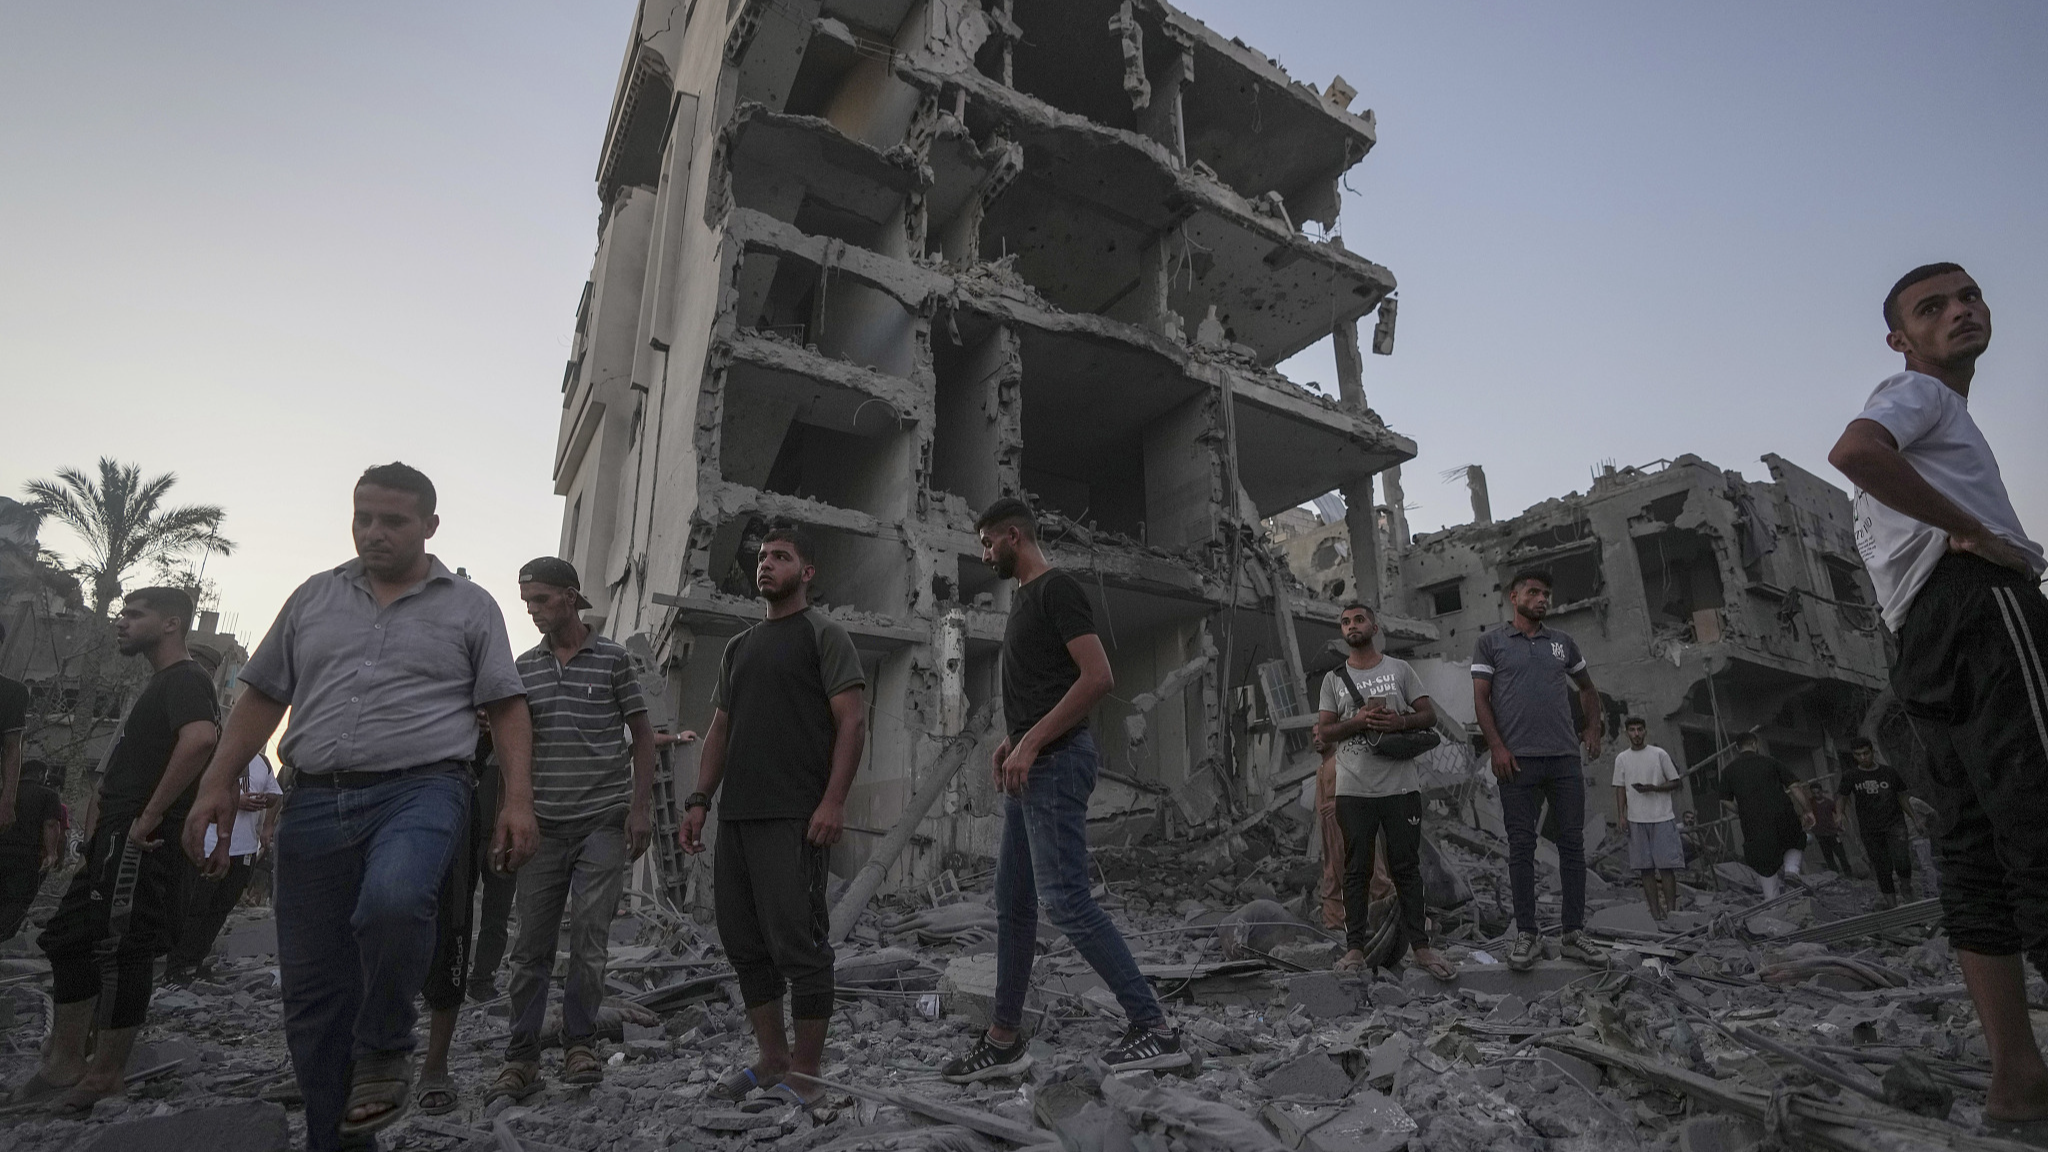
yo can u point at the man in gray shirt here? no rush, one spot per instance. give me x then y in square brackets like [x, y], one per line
[1522, 676]
[383, 662]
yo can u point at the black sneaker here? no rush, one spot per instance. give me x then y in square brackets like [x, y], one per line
[1142, 1048]
[988, 1061]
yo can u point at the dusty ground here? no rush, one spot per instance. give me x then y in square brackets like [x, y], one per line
[1291, 1056]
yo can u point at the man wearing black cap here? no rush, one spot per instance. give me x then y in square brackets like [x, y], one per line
[591, 796]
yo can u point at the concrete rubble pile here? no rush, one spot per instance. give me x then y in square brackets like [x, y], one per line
[1807, 1019]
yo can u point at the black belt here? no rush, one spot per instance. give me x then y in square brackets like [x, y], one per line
[351, 779]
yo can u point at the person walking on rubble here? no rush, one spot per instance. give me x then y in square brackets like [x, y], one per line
[30, 847]
[1644, 780]
[593, 790]
[788, 725]
[1958, 579]
[383, 662]
[1885, 821]
[1827, 828]
[1774, 809]
[1379, 798]
[1054, 672]
[118, 914]
[209, 902]
[1521, 675]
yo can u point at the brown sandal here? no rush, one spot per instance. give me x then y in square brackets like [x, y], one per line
[580, 1065]
[517, 1080]
[386, 1079]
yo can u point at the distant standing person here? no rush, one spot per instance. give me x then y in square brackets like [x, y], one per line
[788, 726]
[1054, 672]
[383, 662]
[593, 789]
[209, 902]
[1644, 781]
[1958, 579]
[1827, 828]
[1523, 674]
[1379, 798]
[29, 848]
[1885, 821]
[13, 723]
[125, 897]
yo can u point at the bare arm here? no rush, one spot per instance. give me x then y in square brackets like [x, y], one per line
[1504, 765]
[53, 843]
[849, 736]
[1082, 696]
[517, 834]
[250, 724]
[1589, 707]
[1621, 802]
[710, 770]
[1869, 456]
[196, 742]
[639, 817]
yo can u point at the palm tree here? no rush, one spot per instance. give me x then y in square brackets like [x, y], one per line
[122, 522]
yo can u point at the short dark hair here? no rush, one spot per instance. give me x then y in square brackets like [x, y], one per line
[1892, 320]
[1861, 742]
[402, 478]
[1358, 606]
[1633, 721]
[1006, 511]
[165, 601]
[798, 540]
[1748, 739]
[1539, 575]
[35, 768]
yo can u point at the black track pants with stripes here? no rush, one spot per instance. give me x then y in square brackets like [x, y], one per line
[1972, 673]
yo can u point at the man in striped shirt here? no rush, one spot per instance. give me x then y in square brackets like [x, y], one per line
[591, 796]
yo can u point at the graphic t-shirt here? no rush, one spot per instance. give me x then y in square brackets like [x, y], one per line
[179, 695]
[1532, 692]
[1650, 766]
[776, 682]
[1939, 438]
[1045, 615]
[1360, 770]
[1876, 796]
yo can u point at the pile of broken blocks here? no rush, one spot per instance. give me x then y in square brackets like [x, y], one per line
[1809, 1021]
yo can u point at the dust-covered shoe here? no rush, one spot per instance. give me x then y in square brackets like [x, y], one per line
[1575, 946]
[1527, 950]
[988, 1060]
[1143, 1048]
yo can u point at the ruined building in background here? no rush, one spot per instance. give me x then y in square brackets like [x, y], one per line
[867, 265]
[1705, 603]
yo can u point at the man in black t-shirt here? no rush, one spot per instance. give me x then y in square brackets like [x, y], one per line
[13, 722]
[1054, 673]
[1883, 820]
[29, 848]
[786, 736]
[124, 900]
[1775, 812]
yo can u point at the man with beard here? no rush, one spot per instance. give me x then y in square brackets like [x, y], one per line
[1521, 679]
[1377, 796]
[383, 662]
[1644, 780]
[1959, 582]
[593, 789]
[1884, 820]
[1775, 812]
[121, 907]
[1054, 673]
[787, 730]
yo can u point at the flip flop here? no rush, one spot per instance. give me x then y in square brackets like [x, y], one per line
[385, 1078]
[75, 1103]
[36, 1090]
[738, 1086]
[2033, 1132]
[436, 1097]
[1442, 969]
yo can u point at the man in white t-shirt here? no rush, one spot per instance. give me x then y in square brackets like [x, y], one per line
[1958, 579]
[1367, 697]
[1644, 780]
[208, 902]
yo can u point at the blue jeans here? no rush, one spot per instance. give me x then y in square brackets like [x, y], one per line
[1044, 859]
[1560, 780]
[358, 880]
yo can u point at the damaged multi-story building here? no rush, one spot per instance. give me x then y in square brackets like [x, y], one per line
[867, 265]
[1708, 604]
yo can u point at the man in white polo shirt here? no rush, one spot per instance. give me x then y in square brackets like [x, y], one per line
[1958, 579]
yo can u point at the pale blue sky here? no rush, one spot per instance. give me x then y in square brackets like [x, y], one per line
[265, 245]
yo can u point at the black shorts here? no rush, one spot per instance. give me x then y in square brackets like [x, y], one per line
[448, 972]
